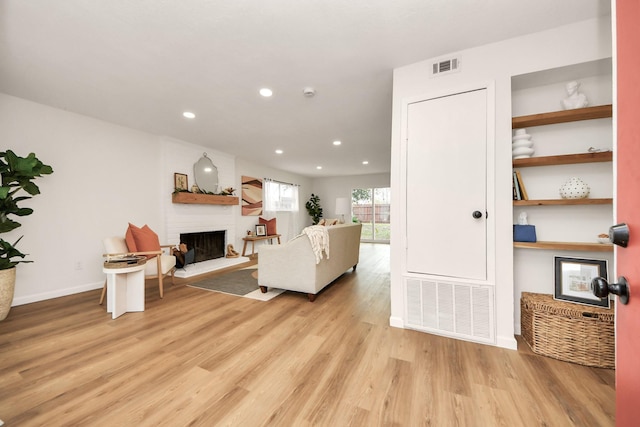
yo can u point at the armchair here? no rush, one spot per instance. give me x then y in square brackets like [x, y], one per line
[158, 266]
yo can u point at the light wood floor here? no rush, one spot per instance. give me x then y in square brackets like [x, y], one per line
[208, 359]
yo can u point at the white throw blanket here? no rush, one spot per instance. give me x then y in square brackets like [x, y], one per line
[319, 238]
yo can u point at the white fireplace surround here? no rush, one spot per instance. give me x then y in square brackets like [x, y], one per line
[179, 157]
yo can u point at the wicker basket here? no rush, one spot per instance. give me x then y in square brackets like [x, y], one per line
[566, 331]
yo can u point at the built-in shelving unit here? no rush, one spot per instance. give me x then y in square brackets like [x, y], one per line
[555, 117]
[203, 199]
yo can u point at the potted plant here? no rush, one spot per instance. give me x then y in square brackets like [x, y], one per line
[18, 173]
[313, 208]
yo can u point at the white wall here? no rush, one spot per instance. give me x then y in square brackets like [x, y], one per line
[104, 176]
[497, 63]
[287, 226]
[329, 189]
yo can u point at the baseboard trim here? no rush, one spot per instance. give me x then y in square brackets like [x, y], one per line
[509, 343]
[28, 299]
[396, 322]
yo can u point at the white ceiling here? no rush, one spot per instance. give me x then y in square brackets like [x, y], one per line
[141, 63]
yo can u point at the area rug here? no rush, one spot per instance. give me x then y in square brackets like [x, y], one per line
[242, 283]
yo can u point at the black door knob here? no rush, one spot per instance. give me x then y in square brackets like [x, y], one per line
[477, 214]
[619, 234]
[601, 288]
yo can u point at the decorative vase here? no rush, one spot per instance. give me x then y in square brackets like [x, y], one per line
[7, 286]
[521, 145]
[574, 188]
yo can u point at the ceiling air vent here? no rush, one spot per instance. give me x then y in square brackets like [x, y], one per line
[446, 66]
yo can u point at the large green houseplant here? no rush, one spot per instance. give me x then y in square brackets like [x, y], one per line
[18, 174]
[313, 208]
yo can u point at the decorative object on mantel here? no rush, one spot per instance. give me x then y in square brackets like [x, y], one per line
[180, 182]
[574, 188]
[575, 99]
[521, 145]
[206, 175]
[251, 196]
[16, 173]
[206, 189]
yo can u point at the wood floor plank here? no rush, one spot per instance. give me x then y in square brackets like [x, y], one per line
[203, 358]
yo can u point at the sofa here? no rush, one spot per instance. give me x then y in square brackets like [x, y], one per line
[293, 265]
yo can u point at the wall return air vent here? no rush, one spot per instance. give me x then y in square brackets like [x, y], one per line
[445, 66]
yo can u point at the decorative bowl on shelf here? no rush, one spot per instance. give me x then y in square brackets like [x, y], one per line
[574, 188]
[603, 238]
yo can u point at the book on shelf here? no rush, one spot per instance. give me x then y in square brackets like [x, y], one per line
[523, 190]
[516, 186]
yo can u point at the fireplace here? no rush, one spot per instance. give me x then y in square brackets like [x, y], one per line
[207, 244]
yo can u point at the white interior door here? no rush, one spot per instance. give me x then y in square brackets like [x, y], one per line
[446, 184]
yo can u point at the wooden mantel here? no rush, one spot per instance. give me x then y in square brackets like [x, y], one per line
[203, 199]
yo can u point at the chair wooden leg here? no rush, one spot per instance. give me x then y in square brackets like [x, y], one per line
[160, 287]
[104, 292]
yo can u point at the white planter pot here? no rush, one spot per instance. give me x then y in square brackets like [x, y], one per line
[7, 286]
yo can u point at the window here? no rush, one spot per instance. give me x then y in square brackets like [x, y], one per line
[280, 196]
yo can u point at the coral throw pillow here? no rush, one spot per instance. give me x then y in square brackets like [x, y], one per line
[128, 238]
[146, 240]
[271, 225]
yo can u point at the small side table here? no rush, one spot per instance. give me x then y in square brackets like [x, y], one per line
[254, 239]
[125, 287]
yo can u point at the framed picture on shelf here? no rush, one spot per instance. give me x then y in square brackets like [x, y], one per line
[180, 182]
[573, 280]
[261, 230]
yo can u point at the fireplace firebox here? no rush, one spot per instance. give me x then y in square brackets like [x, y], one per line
[207, 244]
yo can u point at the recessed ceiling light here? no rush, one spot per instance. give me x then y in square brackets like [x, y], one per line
[189, 115]
[318, 167]
[366, 162]
[266, 92]
[279, 151]
[337, 142]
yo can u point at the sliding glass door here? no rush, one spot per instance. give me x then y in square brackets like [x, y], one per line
[371, 207]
